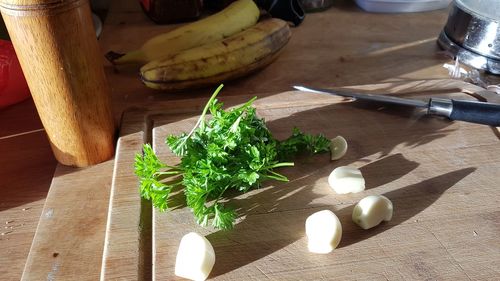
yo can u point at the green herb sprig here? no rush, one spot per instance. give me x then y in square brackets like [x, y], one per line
[231, 150]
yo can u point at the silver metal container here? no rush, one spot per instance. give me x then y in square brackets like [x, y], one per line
[472, 33]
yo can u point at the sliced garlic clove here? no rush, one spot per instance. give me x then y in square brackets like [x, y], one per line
[324, 231]
[346, 179]
[372, 210]
[195, 257]
[338, 147]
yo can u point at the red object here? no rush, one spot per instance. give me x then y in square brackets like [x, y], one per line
[146, 5]
[13, 86]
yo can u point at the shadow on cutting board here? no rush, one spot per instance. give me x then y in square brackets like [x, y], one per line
[407, 201]
[381, 172]
[279, 225]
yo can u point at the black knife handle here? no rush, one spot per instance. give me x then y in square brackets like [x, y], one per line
[476, 112]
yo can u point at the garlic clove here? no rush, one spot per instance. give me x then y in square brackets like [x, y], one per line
[372, 210]
[338, 147]
[346, 179]
[324, 231]
[195, 257]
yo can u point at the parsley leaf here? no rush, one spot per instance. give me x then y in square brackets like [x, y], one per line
[233, 149]
[299, 142]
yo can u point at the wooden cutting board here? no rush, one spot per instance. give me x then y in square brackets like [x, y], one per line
[441, 176]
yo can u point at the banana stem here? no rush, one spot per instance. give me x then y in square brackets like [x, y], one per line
[132, 57]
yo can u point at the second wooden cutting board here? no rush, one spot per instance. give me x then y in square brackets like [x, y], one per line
[440, 176]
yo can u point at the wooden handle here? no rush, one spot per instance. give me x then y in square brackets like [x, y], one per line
[60, 57]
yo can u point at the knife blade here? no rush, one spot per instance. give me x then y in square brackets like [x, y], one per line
[485, 113]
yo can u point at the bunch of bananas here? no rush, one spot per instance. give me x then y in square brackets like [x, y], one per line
[226, 45]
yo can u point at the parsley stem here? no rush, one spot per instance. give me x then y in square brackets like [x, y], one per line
[222, 192]
[248, 103]
[282, 164]
[276, 176]
[169, 173]
[204, 112]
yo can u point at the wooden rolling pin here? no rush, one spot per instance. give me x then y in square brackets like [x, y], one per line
[60, 57]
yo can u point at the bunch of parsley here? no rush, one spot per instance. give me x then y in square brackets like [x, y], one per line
[231, 150]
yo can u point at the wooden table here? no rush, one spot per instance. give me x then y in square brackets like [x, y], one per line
[338, 47]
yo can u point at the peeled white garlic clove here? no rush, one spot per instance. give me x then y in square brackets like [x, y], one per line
[195, 257]
[324, 231]
[338, 147]
[372, 210]
[346, 179]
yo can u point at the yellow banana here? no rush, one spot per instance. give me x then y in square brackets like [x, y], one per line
[213, 63]
[236, 17]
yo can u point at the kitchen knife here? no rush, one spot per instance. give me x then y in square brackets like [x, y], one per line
[470, 111]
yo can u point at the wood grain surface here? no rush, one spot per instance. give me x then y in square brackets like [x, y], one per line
[128, 256]
[26, 169]
[58, 51]
[68, 242]
[440, 176]
[338, 47]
